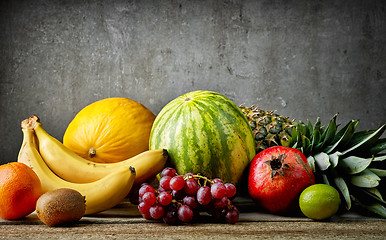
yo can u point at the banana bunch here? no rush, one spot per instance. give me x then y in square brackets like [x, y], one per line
[104, 185]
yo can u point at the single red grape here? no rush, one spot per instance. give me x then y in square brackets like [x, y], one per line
[164, 182]
[168, 171]
[156, 211]
[177, 183]
[165, 198]
[231, 190]
[143, 208]
[218, 190]
[185, 213]
[191, 186]
[203, 195]
[149, 198]
[232, 216]
[190, 201]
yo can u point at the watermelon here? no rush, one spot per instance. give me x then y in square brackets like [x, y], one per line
[204, 132]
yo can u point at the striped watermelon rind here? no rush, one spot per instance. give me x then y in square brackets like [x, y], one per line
[204, 132]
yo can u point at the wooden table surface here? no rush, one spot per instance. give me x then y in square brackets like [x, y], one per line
[124, 222]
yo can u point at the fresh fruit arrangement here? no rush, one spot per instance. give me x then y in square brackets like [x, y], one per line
[179, 199]
[347, 159]
[204, 132]
[202, 146]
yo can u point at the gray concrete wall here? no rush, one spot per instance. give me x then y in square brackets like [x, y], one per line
[302, 58]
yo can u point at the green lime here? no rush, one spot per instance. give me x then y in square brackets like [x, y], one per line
[319, 201]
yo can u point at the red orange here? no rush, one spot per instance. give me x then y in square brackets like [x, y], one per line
[20, 188]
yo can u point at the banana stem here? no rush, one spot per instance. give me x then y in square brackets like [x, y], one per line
[92, 152]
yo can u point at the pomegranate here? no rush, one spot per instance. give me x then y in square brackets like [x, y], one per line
[277, 176]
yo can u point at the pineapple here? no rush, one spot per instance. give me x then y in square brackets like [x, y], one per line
[349, 160]
[268, 128]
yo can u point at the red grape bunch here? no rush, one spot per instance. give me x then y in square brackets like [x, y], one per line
[179, 199]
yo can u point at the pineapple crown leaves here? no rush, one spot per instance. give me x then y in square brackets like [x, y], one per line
[315, 138]
[349, 160]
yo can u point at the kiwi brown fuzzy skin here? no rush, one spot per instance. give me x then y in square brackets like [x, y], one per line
[60, 207]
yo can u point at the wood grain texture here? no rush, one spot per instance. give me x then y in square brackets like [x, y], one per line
[124, 222]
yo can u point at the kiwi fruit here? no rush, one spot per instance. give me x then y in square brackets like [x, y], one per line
[59, 207]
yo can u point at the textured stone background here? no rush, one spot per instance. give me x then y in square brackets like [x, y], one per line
[302, 58]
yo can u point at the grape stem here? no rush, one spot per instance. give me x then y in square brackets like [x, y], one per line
[199, 176]
[179, 204]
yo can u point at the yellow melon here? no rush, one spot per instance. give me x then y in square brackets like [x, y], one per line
[110, 130]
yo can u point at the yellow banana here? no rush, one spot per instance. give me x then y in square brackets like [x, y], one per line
[72, 167]
[100, 195]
